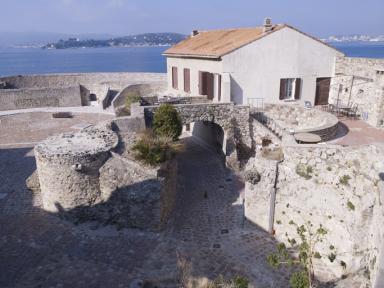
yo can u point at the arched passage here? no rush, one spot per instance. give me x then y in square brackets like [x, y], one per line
[210, 133]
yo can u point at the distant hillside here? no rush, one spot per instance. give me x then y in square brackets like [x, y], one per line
[38, 39]
[147, 39]
[355, 38]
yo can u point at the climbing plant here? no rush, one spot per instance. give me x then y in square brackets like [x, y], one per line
[306, 250]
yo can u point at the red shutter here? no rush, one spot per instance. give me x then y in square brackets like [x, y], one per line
[201, 83]
[283, 88]
[175, 81]
[187, 81]
[210, 83]
[298, 88]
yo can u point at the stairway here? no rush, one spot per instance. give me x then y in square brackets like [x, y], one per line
[269, 123]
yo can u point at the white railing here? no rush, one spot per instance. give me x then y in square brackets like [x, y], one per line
[257, 103]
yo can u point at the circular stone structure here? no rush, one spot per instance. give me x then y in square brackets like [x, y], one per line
[68, 167]
[301, 120]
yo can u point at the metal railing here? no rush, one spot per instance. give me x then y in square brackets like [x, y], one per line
[256, 103]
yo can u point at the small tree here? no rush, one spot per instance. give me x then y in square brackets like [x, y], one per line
[306, 250]
[167, 122]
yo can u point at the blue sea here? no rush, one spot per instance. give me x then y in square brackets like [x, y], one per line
[17, 61]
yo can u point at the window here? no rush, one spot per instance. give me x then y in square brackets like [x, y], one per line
[187, 80]
[290, 88]
[175, 84]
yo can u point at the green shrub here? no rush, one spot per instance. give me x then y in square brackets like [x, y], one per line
[299, 280]
[221, 282]
[304, 171]
[132, 97]
[344, 180]
[350, 206]
[152, 149]
[240, 282]
[166, 122]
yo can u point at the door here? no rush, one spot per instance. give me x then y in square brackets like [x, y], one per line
[322, 90]
[206, 84]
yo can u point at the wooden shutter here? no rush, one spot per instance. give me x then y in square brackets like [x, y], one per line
[187, 81]
[298, 88]
[175, 81]
[201, 83]
[210, 85]
[283, 88]
[219, 87]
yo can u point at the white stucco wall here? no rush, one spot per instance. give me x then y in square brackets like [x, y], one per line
[256, 69]
[195, 65]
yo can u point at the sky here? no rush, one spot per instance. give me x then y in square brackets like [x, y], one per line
[126, 17]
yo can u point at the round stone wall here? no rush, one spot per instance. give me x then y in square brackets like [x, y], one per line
[68, 166]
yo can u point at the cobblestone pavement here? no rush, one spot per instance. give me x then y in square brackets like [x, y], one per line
[205, 239]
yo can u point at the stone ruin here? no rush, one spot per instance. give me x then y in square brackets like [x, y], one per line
[83, 179]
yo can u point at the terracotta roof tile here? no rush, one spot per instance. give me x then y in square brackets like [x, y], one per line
[217, 43]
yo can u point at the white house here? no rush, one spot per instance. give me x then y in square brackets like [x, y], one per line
[275, 62]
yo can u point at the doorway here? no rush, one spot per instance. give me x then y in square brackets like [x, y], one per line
[322, 90]
[206, 84]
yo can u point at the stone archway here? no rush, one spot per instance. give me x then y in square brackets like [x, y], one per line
[233, 119]
[210, 133]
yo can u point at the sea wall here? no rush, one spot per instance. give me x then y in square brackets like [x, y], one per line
[340, 188]
[11, 99]
[113, 80]
[360, 81]
[52, 89]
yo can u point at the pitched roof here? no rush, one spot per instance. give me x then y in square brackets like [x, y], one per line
[217, 43]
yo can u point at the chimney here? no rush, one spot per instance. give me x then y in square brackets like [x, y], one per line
[267, 25]
[194, 33]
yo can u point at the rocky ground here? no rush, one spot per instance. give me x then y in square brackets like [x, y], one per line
[205, 239]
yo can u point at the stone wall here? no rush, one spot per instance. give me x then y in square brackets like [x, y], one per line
[357, 81]
[141, 90]
[82, 179]
[115, 81]
[338, 187]
[44, 90]
[68, 167]
[233, 119]
[299, 119]
[11, 99]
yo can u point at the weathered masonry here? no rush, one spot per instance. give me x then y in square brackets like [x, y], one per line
[359, 82]
[233, 119]
[72, 90]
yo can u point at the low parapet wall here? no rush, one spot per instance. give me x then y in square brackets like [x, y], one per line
[12, 99]
[112, 80]
[58, 89]
[297, 119]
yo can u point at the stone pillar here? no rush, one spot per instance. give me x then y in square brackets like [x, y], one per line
[68, 167]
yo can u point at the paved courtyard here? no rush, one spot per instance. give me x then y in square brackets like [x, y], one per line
[29, 127]
[205, 239]
[357, 132]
